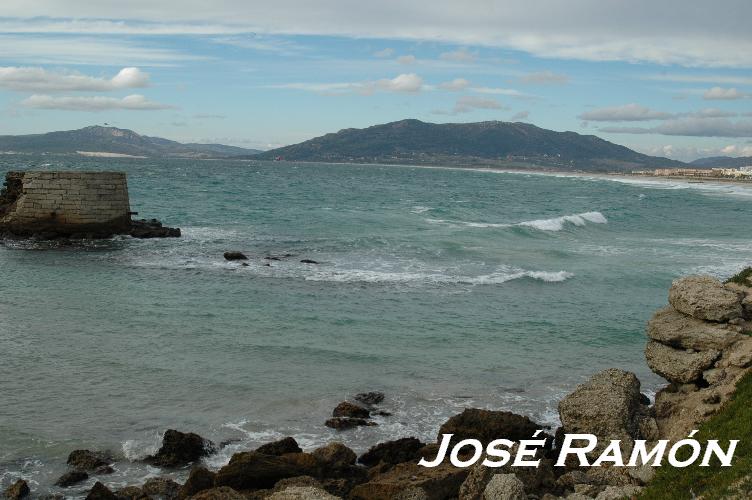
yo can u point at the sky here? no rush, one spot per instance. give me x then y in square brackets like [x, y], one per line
[665, 77]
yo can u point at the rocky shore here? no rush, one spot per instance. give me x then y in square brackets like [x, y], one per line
[700, 343]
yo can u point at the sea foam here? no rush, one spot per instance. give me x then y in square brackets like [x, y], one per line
[552, 224]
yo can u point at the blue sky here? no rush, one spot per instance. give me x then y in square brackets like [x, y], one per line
[668, 77]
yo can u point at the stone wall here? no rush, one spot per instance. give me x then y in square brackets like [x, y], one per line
[66, 202]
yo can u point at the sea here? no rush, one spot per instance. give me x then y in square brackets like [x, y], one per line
[444, 288]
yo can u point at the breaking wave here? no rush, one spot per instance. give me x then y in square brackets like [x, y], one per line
[553, 224]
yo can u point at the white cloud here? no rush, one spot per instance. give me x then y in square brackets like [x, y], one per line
[455, 85]
[406, 82]
[689, 153]
[92, 103]
[695, 78]
[693, 127]
[626, 113]
[545, 78]
[26, 79]
[408, 59]
[468, 103]
[498, 91]
[719, 93]
[387, 52]
[461, 55]
[522, 115]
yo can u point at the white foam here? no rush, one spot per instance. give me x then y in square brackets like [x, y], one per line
[552, 224]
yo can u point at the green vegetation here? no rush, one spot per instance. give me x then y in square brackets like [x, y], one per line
[742, 278]
[734, 421]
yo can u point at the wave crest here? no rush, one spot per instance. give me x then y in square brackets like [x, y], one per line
[553, 224]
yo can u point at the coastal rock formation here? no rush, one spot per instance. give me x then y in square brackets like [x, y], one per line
[344, 423]
[87, 460]
[285, 445]
[672, 328]
[302, 493]
[504, 487]
[101, 492]
[71, 477]
[487, 425]
[409, 480]
[393, 452]
[235, 256]
[347, 409]
[252, 470]
[199, 479]
[704, 297]
[369, 398]
[17, 491]
[179, 448]
[220, 493]
[680, 366]
[335, 456]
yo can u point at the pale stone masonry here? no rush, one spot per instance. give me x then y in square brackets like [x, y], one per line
[55, 200]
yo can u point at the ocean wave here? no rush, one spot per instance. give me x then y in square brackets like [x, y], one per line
[552, 224]
[498, 277]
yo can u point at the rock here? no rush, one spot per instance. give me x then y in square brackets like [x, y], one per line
[487, 425]
[643, 474]
[370, 398]
[152, 229]
[609, 476]
[393, 452]
[180, 448]
[71, 477]
[308, 261]
[18, 490]
[220, 493]
[606, 405]
[682, 367]
[88, 460]
[410, 480]
[672, 328]
[475, 483]
[347, 409]
[286, 445]
[618, 492]
[301, 493]
[335, 455]
[131, 493]
[504, 487]
[253, 470]
[235, 256]
[101, 492]
[162, 487]
[199, 479]
[536, 480]
[704, 297]
[343, 423]
[738, 355]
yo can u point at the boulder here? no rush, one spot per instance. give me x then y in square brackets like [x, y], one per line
[101, 492]
[179, 448]
[369, 398]
[536, 480]
[152, 229]
[286, 445]
[487, 425]
[738, 355]
[71, 477]
[344, 423]
[131, 493]
[235, 256]
[220, 493]
[302, 493]
[504, 487]
[607, 406]
[618, 492]
[18, 490]
[704, 297]
[161, 487]
[199, 479]
[350, 410]
[441, 482]
[253, 470]
[335, 456]
[88, 460]
[676, 365]
[672, 328]
[393, 452]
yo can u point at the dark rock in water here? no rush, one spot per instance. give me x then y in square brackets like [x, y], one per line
[272, 257]
[152, 229]
[235, 256]
[72, 477]
[199, 479]
[344, 423]
[382, 413]
[487, 425]
[252, 470]
[131, 493]
[286, 445]
[308, 261]
[18, 490]
[370, 398]
[180, 448]
[88, 460]
[393, 452]
[221, 493]
[101, 492]
[161, 487]
[347, 409]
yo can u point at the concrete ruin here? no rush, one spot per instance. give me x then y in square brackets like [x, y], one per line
[71, 204]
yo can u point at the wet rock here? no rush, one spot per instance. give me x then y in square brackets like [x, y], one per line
[370, 398]
[199, 479]
[152, 229]
[18, 490]
[162, 487]
[347, 409]
[179, 448]
[335, 455]
[71, 477]
[344, 423]
[308, 261]
[131, 493]
[393, 452]
[678, 366]
[286, 445]
[88, 460]
[252, 470]
[302, 493]
[235, 256]
[704, 297]
[504, 487]
[487, 425]
[403, 480]
[672, 328]
[101, 492]
[219, 493]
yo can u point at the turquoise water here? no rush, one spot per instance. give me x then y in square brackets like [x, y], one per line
[443, 288]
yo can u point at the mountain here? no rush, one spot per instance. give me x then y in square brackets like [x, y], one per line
[486, 143]
[722, 162]
[115, 140]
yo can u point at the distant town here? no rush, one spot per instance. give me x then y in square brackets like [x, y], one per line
[741, 173]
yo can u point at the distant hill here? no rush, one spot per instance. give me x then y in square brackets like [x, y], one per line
[115, 140]
[723, 162]
[484, 143]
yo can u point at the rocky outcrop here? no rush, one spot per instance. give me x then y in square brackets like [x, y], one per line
[17, 491]
[704, 297]
[101, 492]
[87, 460]
[199, 479]
[180, 448]
[220, 493]
[253, 470]
[335, 456]
[674, 329]
[369, 398]
[680, 366]
[71, 477]
[302, 493]
[504, 487]
[350, 410]
[285, 445]
[393, 452]
[409, 480]
[487, 425]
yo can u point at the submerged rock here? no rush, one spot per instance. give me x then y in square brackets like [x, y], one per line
[152, 229]
[308, 261]
[235, 256]
[676, 365]
[18, 490]
[704, 297]
[487, 425]
[88, 460]
[179, 448]
[369, 398]
[344, 423]
[286, 445]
